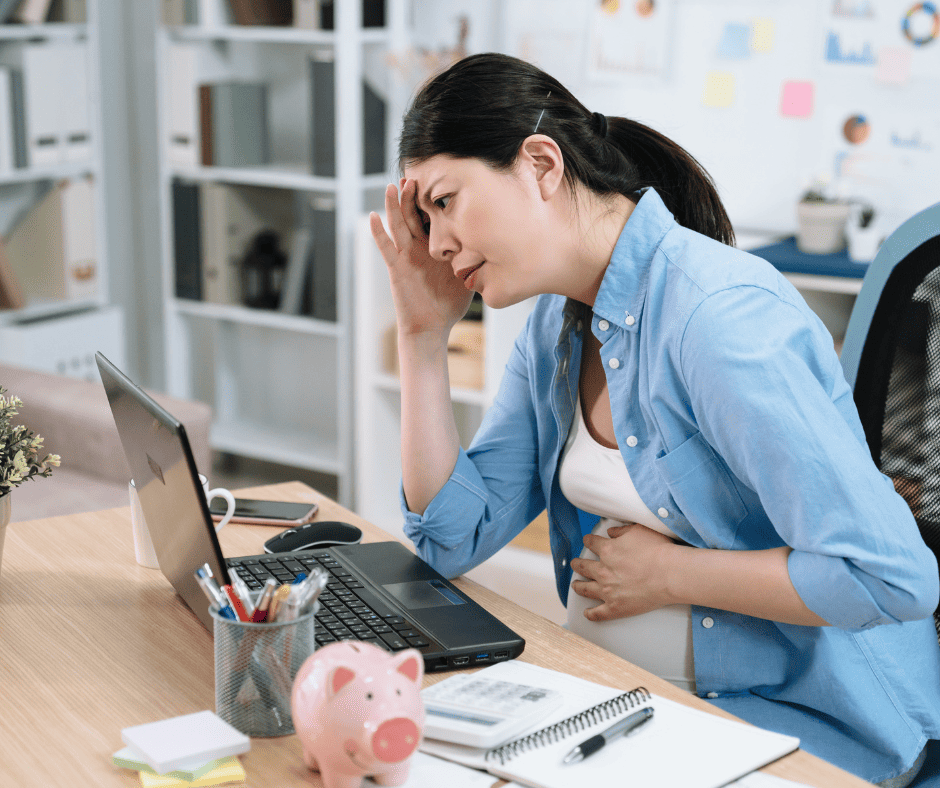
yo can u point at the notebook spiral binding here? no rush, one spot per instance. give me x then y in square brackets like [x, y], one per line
[564, 728]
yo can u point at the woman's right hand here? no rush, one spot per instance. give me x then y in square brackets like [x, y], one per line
[428, 298]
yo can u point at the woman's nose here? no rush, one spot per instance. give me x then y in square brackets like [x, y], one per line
[441, 244]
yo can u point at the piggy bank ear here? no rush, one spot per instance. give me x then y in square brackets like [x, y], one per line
[411, 664]
[339, 678]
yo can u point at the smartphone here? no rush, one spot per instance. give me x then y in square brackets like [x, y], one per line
[286, 513]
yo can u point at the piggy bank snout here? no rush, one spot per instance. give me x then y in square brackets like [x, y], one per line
[395, 740]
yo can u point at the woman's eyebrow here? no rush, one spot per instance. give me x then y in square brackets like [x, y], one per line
[427, 192]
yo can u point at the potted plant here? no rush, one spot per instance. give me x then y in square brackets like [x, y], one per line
[821, 218]
[20, 459]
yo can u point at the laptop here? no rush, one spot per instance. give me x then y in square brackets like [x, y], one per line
[378, 592]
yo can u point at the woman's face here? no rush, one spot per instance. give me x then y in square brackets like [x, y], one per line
[491, 228]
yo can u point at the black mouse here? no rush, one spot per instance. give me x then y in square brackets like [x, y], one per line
[313, 536]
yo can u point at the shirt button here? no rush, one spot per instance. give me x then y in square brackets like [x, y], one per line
[603, 325]
[630, 320]
[711, 694]
[708, 622]
[663, 511]
[564, 562]
[631, 441]
[614, 363]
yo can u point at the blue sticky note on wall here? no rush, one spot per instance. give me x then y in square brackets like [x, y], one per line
[735, 42]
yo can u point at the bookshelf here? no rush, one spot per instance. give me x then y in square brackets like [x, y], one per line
[52, 184]
[280, 377]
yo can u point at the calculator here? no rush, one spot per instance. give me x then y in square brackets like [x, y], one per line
[482, 712]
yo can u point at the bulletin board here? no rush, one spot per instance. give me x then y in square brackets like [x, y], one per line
[769, 95]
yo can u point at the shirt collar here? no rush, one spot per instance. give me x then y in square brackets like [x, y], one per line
[623, 288]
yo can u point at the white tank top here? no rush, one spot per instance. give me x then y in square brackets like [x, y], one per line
[595, 479]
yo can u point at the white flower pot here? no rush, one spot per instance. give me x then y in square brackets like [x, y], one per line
[4, 520]
[821, 226]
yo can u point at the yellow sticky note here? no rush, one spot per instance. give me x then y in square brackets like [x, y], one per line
[762, 35]
[719, 89]
[230, 771]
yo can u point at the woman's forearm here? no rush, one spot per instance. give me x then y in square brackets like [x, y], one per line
[429, 440]
[754, 582]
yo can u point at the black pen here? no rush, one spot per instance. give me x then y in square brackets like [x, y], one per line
[592, 745]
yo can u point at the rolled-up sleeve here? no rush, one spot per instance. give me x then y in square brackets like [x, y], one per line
[494, 490]
[768, 390]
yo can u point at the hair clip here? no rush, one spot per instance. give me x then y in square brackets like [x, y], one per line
[535, 130]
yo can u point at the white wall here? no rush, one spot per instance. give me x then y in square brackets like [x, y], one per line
[760, 160]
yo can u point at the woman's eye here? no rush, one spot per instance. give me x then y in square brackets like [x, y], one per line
[441, 202]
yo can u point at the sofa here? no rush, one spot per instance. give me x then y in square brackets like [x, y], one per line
[75, 421]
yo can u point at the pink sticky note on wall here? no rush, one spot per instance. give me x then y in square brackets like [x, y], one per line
[796, 100]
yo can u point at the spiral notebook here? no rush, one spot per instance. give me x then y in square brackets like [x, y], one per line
[680, 746]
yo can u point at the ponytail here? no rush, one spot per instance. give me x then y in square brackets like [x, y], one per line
[485, 105]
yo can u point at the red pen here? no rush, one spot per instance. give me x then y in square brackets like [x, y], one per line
[236, 603]
[261, 610]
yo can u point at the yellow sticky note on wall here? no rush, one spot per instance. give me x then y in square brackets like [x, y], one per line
[762, 35]
[719, 89]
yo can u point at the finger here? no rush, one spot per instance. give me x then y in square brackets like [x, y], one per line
[601, 612]
[401, 235]
[382, 241]
[587, 588]
[595, 543]
[616, 530]
[584, 567]
[409, 209]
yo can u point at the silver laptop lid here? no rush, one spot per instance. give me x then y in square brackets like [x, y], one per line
[167, 481]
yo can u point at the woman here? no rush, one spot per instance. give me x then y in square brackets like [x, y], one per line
[674, 394]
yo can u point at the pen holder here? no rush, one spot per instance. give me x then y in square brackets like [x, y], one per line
[255, 665]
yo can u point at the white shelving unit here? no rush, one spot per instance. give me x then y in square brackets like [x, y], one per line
[21, 188]
[280, 384]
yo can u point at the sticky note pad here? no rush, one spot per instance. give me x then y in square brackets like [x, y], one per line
[719, 89]
[796, 100]
[230, 771]
[894, 66]
[167, 745]
[734, 42]
[128, 758]
[762, 35]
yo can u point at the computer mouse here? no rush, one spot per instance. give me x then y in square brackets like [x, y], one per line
[313, 536]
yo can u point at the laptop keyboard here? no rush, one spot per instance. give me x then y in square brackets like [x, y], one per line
[348, 610]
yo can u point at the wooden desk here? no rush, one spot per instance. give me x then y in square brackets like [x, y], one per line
[91, 643]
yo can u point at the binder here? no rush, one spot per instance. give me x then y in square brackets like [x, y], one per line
[11, 294]
[7, 121]
[307, 14]
[320, 301]
[263, 12]
[187, 243]
[76, 118]
[296, 275]
[373, 131]
[71, 11]
[43, 67]
[7, 9]
[233, 124]
[323, 122]
[181, 101]
[52, 250]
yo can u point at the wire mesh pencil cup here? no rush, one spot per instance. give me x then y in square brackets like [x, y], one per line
[255, 666]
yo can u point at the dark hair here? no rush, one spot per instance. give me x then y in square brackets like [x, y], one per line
[485, 105]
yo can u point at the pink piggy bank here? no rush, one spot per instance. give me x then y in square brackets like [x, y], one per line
[358, 711]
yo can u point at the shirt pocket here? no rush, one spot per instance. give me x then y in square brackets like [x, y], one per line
[704, 491]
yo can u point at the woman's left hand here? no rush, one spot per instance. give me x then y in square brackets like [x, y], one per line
[629, 576]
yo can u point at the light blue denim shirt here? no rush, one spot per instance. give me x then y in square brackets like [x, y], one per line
[738, 428]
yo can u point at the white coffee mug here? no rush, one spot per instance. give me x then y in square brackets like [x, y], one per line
[219, 492]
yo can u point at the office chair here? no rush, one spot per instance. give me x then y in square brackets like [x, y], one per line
[891, 359]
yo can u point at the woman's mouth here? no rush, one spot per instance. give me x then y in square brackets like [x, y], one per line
[469, 274]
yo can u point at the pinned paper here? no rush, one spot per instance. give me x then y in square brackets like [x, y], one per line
[796, 100]
[734, 42]
[762, 35]
[894, 66]
[719, 89]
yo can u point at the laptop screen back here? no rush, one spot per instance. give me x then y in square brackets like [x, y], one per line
[167, 482]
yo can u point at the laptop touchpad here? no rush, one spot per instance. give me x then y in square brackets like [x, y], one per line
[423, 593]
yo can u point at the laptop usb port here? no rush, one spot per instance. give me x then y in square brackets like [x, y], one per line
[461, 660]
[483, 656]
[501, 655]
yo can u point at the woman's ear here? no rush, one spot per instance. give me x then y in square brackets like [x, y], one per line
[540, 157]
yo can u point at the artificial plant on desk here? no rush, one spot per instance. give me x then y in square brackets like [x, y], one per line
[20, 450]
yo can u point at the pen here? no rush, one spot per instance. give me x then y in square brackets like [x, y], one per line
[236, 603]
[621, 728]
[261, 611]
[214, 594]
